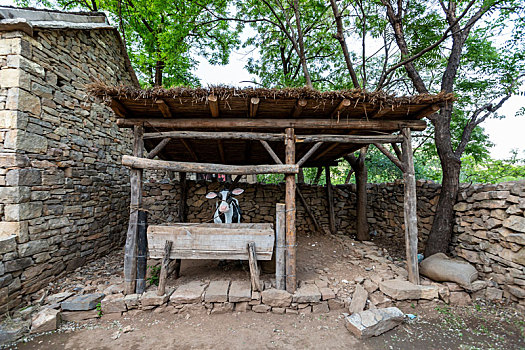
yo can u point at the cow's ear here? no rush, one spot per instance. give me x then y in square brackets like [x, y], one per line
[237, 191]
[211, 195]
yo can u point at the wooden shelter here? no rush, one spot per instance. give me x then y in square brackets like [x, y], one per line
[252, 131]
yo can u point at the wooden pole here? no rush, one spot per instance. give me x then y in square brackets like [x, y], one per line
[270, 151]
[410, 208]
[330, 196]
[280, 242]
[308, 211]
[144, 163]
[254, 268]
[318, 175]
[130, 249]
[142, 251]
[291, 245]
[161, 290]
[182, 213]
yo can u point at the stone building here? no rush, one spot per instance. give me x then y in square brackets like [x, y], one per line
[63, 193]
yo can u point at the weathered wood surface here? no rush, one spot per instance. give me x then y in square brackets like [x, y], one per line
[280, 242]
[275, 124]
[154, 152]
[144, 163]
[291, 240]
[298, 107]
[270, 151]
[211, 241]
[214, 105]
[164, 109]
[254, 268]
[310, 214]
[254, 105]
[163, 276]
[130, 248]
[142, 251]
[330, 197]
[359, 139]
[309, 153]
[410, 208]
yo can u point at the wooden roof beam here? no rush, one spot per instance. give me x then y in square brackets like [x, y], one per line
[189, 149]
[298, 107]
[119, 108]
[340, 108]
[269, 149]
[213, 101]
[164, 108]
[427, 111]
[269, 123]
[381, 112]
[254, 105]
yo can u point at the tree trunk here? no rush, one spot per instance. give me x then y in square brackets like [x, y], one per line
[159, 67]
[442, 227]
[361, 177]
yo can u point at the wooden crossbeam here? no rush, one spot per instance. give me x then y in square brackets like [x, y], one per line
[189, 149]
[220, 146]
[254, 105]
[358, 139]
[214, 105]
[427, 111]
[381, 112]
[158, 148]
[309, 153]
[119, 108]
[210, 168]
[163, 107]
[298, 108]
[340, 107]
[269, 149]
[274, 124]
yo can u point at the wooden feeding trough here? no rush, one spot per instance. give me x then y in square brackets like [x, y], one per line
[257, 131]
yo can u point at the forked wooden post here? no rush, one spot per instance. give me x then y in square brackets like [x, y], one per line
[254, 268]
[330, 196]
[410, 207]
[291, 245]
[142, 251]
[135, 177]
[182, 213]
[280, 242]
[163, 276]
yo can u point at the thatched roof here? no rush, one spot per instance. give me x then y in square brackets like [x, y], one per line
[223, 108]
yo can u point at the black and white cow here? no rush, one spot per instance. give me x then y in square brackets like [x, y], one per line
[227, 208]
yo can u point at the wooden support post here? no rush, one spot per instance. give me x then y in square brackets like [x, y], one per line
[130, 250]
[308, 211]
[410, 208]
[182, 213]
[142, 251]
[254, 268]
[270, 151]
[161, 290]
[158, 148]
[280, 249]
[291, 245]
[330, 196]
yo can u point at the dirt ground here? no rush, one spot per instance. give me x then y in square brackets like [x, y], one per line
[437, 326]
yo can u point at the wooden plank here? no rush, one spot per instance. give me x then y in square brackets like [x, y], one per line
[427, 111]
[298, 107]
[119, 109]
[154, 152]
[164, 108]
[163, 276]
[309, 153]
[274, 124]
[214, 105]
[211, 241]
[142, 251]
[254, 268]
[130, 249]
[202, 135]
[280, 249]
[254, 105]
[291, 241]
[143, 163]
[330, 196]
[340, 107]
[410, 208]
[269, 149]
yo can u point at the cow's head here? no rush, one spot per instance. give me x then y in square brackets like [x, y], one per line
[225, 198]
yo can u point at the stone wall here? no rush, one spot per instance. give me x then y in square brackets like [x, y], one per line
[63, 193]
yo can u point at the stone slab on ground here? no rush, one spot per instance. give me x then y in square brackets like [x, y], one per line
[276, 298]
[77, 316]
[326, 293]
[321, 308]
[152, 299]
[403, 290]
[222, 308]
[113, 303]
[307, 293]
[46, 320]
[82, 302]
[260, 308]
[58, 297]
[189, 293]
[358, 300]
[132, 301]
[335, 304]
[12, 332]
[240, 291]
[217, 292]
[371, 323]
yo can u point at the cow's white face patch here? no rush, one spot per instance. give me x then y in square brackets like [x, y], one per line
[224, 205]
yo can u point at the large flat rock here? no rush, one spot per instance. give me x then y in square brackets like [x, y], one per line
[82, 302]
[371, 323]
[45, 321]
[217, 292]
[403, 290]
[240, 291]
[189, 293]
[358, 300]
[276, 298]
[307, 293]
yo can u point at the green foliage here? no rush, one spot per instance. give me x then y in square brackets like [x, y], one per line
[99, 309]
[492, 170]
[153, 279]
